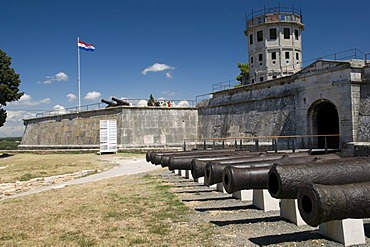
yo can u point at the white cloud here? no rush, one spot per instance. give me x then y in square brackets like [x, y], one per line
[26, 100]
[13, 126]
[92, 95]
[157, 67]
[71, 97]
[169, 75]
[60, 76]
[58, 109]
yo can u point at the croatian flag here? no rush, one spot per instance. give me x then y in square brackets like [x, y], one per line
[85, 46]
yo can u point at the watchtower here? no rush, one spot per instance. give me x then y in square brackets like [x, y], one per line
[274, 43]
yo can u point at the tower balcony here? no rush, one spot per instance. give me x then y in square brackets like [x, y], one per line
[274, 15]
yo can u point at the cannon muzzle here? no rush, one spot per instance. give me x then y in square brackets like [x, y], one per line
[322, 203]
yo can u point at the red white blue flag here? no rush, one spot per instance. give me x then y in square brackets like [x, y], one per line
[85, 46]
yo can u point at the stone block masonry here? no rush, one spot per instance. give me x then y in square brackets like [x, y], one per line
[137, 127]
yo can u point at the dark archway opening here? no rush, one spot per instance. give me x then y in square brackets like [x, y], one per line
[327, 122]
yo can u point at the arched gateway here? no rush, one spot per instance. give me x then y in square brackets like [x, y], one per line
[324, 120]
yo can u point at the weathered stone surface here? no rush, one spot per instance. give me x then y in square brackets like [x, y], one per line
[7, 189]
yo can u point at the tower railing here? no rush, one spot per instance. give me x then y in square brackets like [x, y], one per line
[272, 10]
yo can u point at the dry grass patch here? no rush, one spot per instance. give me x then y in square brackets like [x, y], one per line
[122, 211]
[25, 166]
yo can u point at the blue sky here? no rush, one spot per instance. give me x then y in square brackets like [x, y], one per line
[173, 49]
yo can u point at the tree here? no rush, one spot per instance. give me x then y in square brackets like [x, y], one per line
[9, 83]
[244, 72]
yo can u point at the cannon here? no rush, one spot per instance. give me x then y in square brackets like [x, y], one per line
[120, 102]
[109, 103]
[254, 176]
[163, 157]
[285, 181]
[319, 203]
[214, 170]
[155, 157]
[199, 168]
[184, 163]
[165, 161]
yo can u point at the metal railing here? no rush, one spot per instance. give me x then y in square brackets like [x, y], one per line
[97, 106]
[273, 10]
[325, 143]
[220, 86]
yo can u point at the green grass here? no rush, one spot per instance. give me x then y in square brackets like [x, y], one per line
[122, 211]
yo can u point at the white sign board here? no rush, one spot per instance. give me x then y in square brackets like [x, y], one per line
[108, 136]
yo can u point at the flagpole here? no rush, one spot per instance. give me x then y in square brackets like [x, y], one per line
[78, 74]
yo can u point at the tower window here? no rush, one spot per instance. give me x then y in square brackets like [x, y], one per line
[297, 56]
[261, 78]
[273, 34]
[259, 36]
[287, 55]
[286, 33]
[273, 55]
[251, 38]
[296, 34]
[260, 57]
[251, 60]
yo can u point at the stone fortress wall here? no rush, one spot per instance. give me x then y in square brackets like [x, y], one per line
[137, 127]
[280, 107]
[290, 105]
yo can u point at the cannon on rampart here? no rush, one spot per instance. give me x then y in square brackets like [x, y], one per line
[120, 102]
[109, 103]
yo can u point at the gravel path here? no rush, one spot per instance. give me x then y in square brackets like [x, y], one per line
[240, 223]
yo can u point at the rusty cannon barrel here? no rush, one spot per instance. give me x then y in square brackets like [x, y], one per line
[319, 203]
[159, 157]
[109, 103]
[165, 162]
[120, 102]
[203, 160]
[285, 181]
[214, 170]
[184, 162]
[255, 176]
[198, 168]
